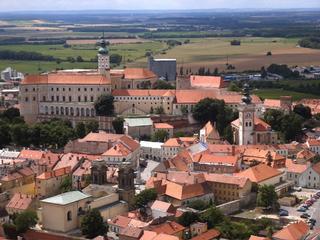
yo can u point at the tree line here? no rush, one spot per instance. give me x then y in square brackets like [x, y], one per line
[55, 133]
[310, 42]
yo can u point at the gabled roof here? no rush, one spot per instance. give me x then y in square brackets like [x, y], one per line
[208, 235]
[294, 167]
[207, 82]
[20, 201]
[161, 206]
[294, 231]
[227, 179]
[207, 158]
[252, 237]
[162, 126]
[186, 191]
[120, 221]
[169, 228]
[100, 136]
[143, 92]
[64, 78]
[66, 198]
[31, 154]
[272, 103]
[259, 173]
[138, 73]
[138, 122]
[210, 131]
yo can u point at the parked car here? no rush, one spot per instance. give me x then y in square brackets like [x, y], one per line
[305, 206]
[283, 213]
[305, 215]
[301, 209]
[312, 220]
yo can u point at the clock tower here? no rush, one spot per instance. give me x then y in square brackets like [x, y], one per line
[246, 118]
[103, 58]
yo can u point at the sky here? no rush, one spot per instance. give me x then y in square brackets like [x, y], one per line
[38, 5]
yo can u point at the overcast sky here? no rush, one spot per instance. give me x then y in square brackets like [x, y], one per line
[12, 5]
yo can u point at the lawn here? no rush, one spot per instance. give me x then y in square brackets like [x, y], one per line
[277, 93]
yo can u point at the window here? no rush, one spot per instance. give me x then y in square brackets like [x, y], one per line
[34, 99]
[69, 216]
[44, 98]
[70, 99]
[27, 99]
[52, 98]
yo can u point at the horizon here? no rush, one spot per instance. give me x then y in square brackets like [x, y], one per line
[145, 5]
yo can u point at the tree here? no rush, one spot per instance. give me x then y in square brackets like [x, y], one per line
[199, 205]
[19, 134]
[66, 184]
[303, 111]
[10, 230]
[25, 220]
[115, 59]
[159, 110]
[4, 134]
[118, 125]
[264, 73]
[79, 59]
[160, 84]
[291, 126]
[233, 87]
[80, 130]
[144, 197]
[11, 113]
[92, 126]
[187, 218]
[160, 136]
[212, 216]
[92, 224]
[104, 105]
[267, 197]
[274, 117]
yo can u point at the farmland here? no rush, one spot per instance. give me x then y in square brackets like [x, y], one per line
[251, 55]
[277, 93]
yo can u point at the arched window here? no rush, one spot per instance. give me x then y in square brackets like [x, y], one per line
[88, 112]
[67, 111]
[46, 110]
[82, 112]
[69, 216]
[52, 110]
[71, 111]
[57, 110]
[62, 111]
[77, 112]
[92, 112]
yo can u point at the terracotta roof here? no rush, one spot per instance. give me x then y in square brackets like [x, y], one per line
[259, 124]
[272, 103]
[120, 221]
[20, 201]
[163, 126]
[208, 235]
[101, 136]
[131, 232]
[186, 191]
[55, 173]
[67, 78]
[207, 82]
[227, 179]
[295, 168]
[11, 177]
[259, 173]
[143, 92]
[26, 172]
[138, 73]
[163, 236]
[148, 235]
[118, 150]
[208, 158]
[313, 142]
[72, 160]
[258, 238]
[211, 131]
[84, 169]
[177, 142]
[31, 154]
[294, 231]
[169, 228]
[305, 154]
[161, 206]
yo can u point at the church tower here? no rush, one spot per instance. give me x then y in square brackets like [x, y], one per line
[126, 185]
[103, 58]
[246, 118]
[99, 172]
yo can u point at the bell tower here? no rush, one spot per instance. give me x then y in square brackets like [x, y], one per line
[246, 118]
[126, 185]
[103, 57]
[99, 172]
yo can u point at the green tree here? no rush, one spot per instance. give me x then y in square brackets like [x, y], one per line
[104, 105]
[235, 230]
[19, 134]
[267, 197]
[159, 110]
[144, 197]
[92, 126]
[4, 134]
[212, 216]
[291, 126]
[233, 87]
[66, 184]
[187, 218]
[199, 205]
[10, 230]
[160, 84]
[80, 130]
[303, 111]
[92, 224]
[115, 59]
[79, 59]
[25, 220]
[118, 125]
[274, 117]
[160, 136]
[11, 113]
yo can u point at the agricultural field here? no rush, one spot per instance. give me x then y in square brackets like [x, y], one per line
[129, 51]
[277, 93]
[251, 55]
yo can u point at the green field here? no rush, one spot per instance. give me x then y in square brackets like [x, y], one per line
[277, 93]
[129, 52]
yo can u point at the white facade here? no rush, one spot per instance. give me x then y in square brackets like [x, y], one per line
[246, 124]
[151, 150]
[309, 179]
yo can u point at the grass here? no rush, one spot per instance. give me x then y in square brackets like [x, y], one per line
[277, 93]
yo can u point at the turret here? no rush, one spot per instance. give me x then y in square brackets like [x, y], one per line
[103, 57]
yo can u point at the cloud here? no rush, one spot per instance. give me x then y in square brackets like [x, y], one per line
[12, 5]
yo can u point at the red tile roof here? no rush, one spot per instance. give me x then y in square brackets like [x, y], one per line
[295, 168]
[138, 73]
[208, 235]
[101, 136]
[120, 221]
[143, 93]
[258, 238]
[214, 159]
[163, 126]
[161, 206]
[56, 173]
[207, 82]
[169, 228]
[259, 173]
[227, 179]
[31, 154]
[20, 201]
[67, 78]
[294, 231]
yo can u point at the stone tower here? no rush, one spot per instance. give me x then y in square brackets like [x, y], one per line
[103, 57]
[246, 118]
[126, 185]
[99, 172]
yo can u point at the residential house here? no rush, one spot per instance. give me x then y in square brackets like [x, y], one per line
[163, 127]
[209, 134]
[314, 145]
[162, 209]
[19, 203]
[294, 171]
[174, 145]
[294, 231]
[81, 175]
[138, 127]
[151, 150]
[169, 228]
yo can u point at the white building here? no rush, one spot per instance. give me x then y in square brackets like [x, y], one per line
[10, 74]
[151, 150]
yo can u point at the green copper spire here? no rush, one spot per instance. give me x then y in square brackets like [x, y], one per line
[103, 45]
[246, 98]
